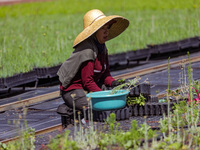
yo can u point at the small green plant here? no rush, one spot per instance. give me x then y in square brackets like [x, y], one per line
[121, 80]
[130, 84]
[111, 121]
[26, 141]
[127, 85]
[3, 146]
[136, 100]
[62, 142]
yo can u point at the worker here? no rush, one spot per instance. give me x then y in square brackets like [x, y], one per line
[87, 69]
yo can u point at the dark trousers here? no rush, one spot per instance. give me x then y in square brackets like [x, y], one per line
[80, 101]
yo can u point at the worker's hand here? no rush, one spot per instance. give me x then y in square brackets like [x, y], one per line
[117, 82]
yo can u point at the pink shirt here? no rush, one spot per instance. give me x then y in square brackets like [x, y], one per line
[90, 73]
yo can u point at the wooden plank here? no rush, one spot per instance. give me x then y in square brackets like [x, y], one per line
[27, 102]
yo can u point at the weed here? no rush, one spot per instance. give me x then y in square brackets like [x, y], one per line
[26, 140]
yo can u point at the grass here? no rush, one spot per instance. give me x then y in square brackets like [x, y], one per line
[81, 6]
[41, 34]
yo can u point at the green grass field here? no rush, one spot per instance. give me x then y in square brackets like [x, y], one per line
[41, 34]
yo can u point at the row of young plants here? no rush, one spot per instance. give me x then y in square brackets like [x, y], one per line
[43, 37]
[178, 130]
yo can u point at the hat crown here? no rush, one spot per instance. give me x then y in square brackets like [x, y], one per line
[91, 16]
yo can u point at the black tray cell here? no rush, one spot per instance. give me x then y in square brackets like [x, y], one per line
[154, 99]
[41, 72]
[158, 109]
[137, 55]
[189, 43]
[123, 114]
[165, 108]
[101, 117]
[108, 114]
[95, 116]
[171, 104]
[141, 110]
[144, 89]
[136, 91]
[168, 47]
[2, 86]
[135, 110]
[12, 81]
[183, 44]
[119, 58]
[127, 113]
[146, 97]
[118, 115]
[153, 49]
[131, 92]
[152, 109]
[29, 76]
[195, 45]
[162, 109]
[104, 115]
[130, 110]
[147, 109]
[52, 71]
[20, 79]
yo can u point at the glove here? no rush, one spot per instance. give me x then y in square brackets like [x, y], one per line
[117, 82]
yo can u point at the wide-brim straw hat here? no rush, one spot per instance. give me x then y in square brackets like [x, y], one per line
[95, 19]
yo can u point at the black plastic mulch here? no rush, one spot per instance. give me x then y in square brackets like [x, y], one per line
[25, 94]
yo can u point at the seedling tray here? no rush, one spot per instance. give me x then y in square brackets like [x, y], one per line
[20, 79]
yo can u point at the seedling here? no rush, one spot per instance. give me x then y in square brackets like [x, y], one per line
[136, 100]
[127, 85]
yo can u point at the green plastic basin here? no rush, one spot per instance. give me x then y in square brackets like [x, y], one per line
[105, 100]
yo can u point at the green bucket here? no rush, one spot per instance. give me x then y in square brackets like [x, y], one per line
[106, 100]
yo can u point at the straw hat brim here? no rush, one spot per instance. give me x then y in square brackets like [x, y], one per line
[117, 28]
